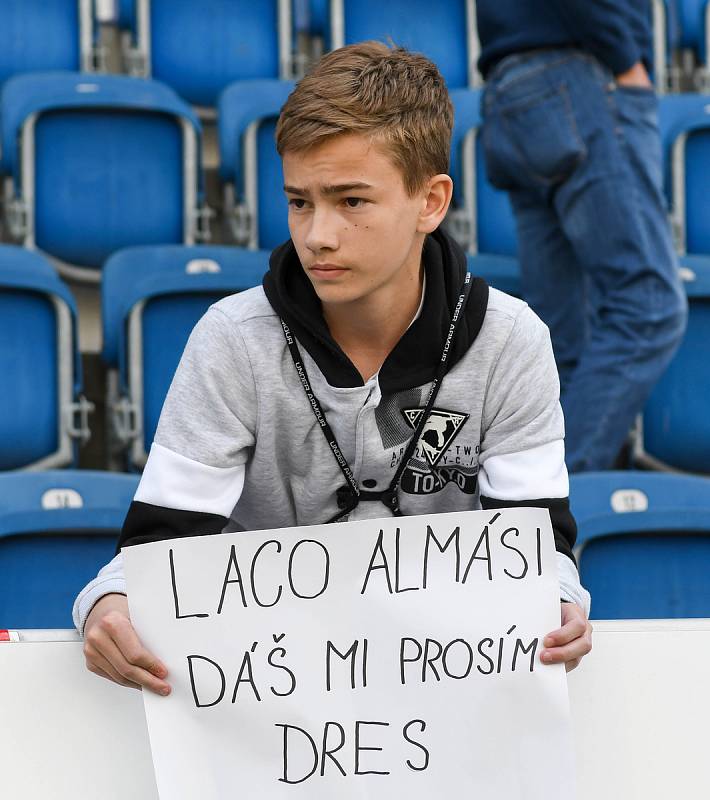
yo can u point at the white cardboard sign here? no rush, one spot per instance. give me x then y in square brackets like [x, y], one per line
[388, 658]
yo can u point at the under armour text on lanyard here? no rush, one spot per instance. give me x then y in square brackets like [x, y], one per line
[350, 495]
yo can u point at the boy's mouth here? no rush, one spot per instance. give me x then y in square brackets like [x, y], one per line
[326, 270]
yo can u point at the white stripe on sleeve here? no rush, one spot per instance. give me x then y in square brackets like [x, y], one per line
[174, 481]
[533, 474]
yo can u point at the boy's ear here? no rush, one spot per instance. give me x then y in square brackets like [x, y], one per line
[436, 200]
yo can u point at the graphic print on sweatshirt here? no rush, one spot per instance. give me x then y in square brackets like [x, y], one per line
[437, 460]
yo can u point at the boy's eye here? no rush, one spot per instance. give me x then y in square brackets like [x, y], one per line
[354, 202]
[297, 203]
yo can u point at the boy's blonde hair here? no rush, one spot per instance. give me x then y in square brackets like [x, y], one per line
[396, 97]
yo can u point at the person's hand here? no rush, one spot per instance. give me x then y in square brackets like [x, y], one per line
[113, 650]
[637, 77]
[570, 642]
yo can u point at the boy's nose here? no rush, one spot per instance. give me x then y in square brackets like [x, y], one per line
[322, 233]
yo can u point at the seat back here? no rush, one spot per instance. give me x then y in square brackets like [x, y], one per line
[676, 423]
[692, 16]
[249, 163]
[39, 35]
[126, 14]
[685, 136]
[104, 163]
[643, 546]
[271, 203]
[489, 223]
[39, 363]
[152, 298]
[137, 158]
[666, 39]
[57, 529]
[443, 31]
[697, 201]
[200, 48]
[495, 222]
[500, 272]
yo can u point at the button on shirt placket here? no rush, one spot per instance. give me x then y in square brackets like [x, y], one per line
[363, 430]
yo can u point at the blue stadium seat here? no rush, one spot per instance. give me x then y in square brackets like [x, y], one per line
[126, 14]
[318, 18]
[250, 167]
[57, 529]
[666, 38]
[501, 272]
[42, 416]
[200, 48]
[482, 213]
[152, 297]
[676, 422]
[644, 543]
[685, 134]
[444, 31]
[98, 163]
[693, 15]
[41, 35]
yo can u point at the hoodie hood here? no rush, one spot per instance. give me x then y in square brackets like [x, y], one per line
[416, 356]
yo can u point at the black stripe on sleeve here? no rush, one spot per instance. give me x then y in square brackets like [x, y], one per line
[148, 523]
[563, 523]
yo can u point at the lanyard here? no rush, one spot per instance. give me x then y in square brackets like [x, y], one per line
[350, 495]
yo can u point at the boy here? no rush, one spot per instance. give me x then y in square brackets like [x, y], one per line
[338, 389]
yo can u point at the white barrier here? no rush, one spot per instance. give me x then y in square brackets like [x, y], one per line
[640, 703]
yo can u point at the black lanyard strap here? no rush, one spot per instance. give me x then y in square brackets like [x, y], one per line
[350, 495]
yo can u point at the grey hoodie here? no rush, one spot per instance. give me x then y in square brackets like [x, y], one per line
[239, 448]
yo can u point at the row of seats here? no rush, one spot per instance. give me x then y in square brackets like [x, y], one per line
[199, 52]
[153, 296]
[95, 165]
[643, 545]
[151, 299]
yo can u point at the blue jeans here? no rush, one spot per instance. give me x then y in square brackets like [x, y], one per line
[581, 160]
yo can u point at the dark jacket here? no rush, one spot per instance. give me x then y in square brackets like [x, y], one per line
[617, 32]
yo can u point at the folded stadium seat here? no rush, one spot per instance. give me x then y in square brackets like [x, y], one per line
[694, 21]
[250, 168]
[643, 545]
[57, 529]
[480, 217]
[42, 415]
[675, 430]
[40, 35]
[152, 297]
[666, 38]
[96, 164]
[126, 14]
[200, 48]
[685, 134]
[444, 31]
[318, 18]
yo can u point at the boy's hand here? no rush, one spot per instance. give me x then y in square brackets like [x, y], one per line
[570, 642]
[636, 76]
[113, 650]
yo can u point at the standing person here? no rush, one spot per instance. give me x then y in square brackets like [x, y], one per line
[570, 130]
[337, 390]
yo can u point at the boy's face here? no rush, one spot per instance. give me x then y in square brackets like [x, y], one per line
[355, 228]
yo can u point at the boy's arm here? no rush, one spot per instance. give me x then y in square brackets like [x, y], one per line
[195, 471]
[522, 462]
[192, 481]
[510, 480]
